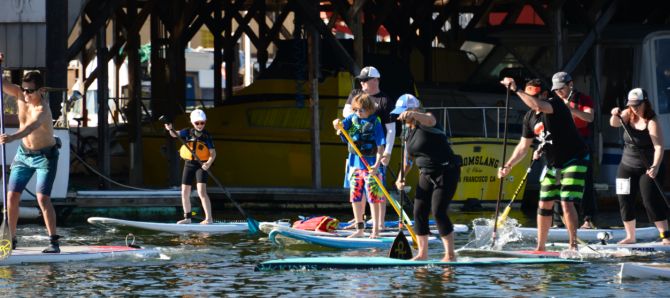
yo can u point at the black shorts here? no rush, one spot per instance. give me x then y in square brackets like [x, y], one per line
[192, 169]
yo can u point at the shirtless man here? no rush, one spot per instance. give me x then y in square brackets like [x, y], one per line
[38, 152]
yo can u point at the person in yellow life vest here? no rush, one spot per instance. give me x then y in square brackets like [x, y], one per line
[199, 142]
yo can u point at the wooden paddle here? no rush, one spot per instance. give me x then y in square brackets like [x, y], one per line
[504, 155]
[396, 207]
[252, 223]
[400, 248]
[5, 231]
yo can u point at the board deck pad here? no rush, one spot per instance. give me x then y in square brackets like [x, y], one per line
[318, 263]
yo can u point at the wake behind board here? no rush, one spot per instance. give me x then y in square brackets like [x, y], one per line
[340, 242]
[560, 234]
[214, 228]
[28, 255]
[318, 263]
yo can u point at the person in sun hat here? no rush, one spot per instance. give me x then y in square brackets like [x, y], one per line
[198, 141]
[567, 158]
[641, 163]
[369, 79]
[439, 171]
[581, 108]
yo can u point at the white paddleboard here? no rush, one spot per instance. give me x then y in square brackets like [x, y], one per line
[646, 247]
[214, 228]
[644, 270]
[556, 234]
[27, 255]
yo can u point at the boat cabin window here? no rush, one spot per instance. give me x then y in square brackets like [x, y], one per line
[662, 73]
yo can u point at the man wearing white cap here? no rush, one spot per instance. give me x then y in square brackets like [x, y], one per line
[567, 156]
[581, 108]
[369, 79]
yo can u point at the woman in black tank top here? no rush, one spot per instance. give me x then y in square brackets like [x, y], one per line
[640, 164]
[439, 172]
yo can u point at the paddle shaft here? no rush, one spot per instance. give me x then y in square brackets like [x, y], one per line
[645, 162]
[405, 219]
[503, 217]
[504, 154]
[225, 191]
[5, 230]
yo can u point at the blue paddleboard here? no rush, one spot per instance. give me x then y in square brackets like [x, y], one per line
[334, 241]
[317, 263]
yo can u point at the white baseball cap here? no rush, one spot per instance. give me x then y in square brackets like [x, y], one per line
[404, 102]
[369, 72]
[636, 97]
[198, 115]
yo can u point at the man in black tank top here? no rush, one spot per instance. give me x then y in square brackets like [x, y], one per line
[567, 158]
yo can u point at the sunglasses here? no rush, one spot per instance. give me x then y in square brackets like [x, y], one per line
[199, 123]
[29, 91]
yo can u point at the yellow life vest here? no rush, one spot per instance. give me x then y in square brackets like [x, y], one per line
[201, 151]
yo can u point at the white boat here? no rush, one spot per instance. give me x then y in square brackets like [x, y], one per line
[644, 270]
[214, 228]
[561, 234]
[27, 255]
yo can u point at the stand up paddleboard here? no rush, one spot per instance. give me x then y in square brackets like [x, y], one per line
[28, 255]
[335, 241]
[509, 253]
[644, 270]
[458, 228]
[267, 227]
[318, 263]
[647, 247]
[214, 228]
[560, 235]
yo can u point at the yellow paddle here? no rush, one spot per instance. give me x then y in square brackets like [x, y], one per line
[395, 205]
[505, 213]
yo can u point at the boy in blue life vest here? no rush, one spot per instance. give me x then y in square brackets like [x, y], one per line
[366, 130]
[199, 142]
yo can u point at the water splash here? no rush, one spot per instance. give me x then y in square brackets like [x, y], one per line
[482, 235]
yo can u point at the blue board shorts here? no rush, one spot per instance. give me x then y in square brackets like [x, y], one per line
[27, 162]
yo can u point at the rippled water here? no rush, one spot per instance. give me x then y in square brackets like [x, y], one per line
[201, 265]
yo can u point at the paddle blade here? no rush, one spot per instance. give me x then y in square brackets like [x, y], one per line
[400, 248]
[254, 227]
[503, 217]
[5, 240]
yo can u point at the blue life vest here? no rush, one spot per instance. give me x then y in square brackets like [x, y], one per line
[363, 135]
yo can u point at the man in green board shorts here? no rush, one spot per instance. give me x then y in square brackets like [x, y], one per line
[567, 158]
[37, 153]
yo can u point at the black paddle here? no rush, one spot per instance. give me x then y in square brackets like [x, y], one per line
[5, 231]
[500, 190]
[645, 162]
[253, 224]
[400, 248]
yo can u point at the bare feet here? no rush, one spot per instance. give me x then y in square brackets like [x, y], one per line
[540, 248]
[184, 221]
[374, 235]
[665, 241]
[587, 225]
[448, 259]
[573, 247]
[419, 258]
[206, 222]
[358, 233]
[627, 241]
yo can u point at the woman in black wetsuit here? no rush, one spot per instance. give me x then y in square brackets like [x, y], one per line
[439, 172]
[640, 164]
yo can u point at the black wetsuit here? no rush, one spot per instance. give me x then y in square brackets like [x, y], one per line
[439, 172]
